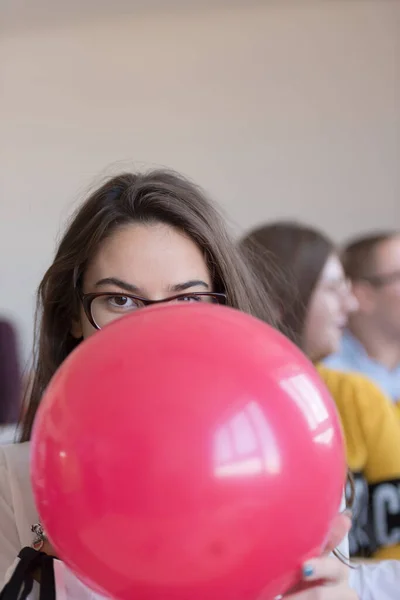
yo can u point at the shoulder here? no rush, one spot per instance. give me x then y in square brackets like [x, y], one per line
[367, 415]
[15, 456]
[17, 508]
[352, 387]
[370, 423]
[14, 464]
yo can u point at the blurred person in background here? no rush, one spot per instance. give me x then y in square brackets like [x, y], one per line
[371, 342]
[303, 274]
[10, 383]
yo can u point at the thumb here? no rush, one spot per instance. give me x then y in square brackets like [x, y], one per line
[340, 528]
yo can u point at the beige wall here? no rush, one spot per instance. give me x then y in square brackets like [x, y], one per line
[288, 108]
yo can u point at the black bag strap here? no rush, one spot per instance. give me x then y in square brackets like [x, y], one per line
[21, 582]
[47, 580]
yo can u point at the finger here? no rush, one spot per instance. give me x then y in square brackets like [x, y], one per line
[301, 587]
[328, 569]
[340, 528]
[324, 572]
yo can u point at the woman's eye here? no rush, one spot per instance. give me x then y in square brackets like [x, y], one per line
[190, 298]
[121, 302]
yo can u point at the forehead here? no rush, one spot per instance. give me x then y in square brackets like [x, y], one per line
[147, 253]
[333, 269]
[387, 255]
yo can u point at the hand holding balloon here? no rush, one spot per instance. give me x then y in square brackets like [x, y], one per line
[326, 576]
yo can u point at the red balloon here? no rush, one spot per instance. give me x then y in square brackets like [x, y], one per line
[187, 453]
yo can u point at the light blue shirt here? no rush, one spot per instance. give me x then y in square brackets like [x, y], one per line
[352, 356]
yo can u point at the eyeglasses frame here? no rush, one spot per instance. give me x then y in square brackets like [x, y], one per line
[88, 299]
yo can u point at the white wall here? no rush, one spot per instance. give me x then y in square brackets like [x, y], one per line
[287, 108]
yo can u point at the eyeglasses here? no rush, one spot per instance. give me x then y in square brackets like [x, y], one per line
[382, 280]
[340, 287]
[102, 309]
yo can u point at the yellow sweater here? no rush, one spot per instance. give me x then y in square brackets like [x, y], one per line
[372, 435]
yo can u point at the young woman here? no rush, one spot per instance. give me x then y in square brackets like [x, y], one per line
[313, 300]
[139, 238]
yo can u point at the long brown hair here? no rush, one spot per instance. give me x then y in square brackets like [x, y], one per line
[289, 258]
[156, 196]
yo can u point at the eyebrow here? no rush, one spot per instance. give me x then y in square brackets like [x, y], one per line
[133, 289]
[129, 287]
[181, 287]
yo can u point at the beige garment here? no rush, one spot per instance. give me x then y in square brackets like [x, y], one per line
[17, 508]
[17, 514]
